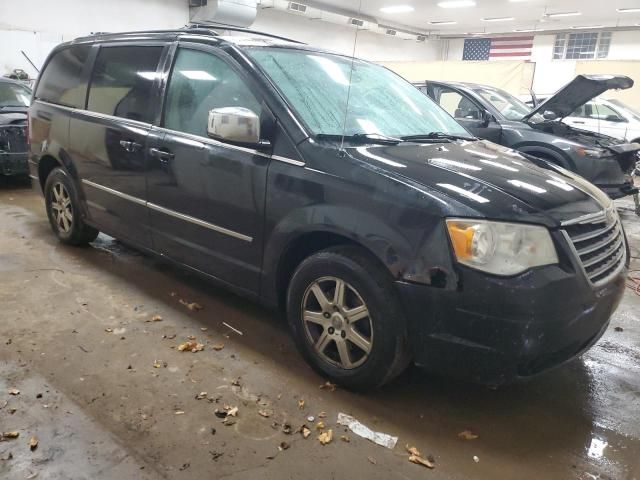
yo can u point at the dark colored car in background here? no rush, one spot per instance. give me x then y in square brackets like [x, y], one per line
[14, 105]
[387, 235]
[498, 116]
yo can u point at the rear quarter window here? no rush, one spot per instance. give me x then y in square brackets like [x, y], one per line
[61, 82]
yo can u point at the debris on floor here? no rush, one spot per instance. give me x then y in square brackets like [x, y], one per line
[218, 346]
[301, 404]
[358, 428]
[325, 437]
[33, 443]
[193, 306]
[416, 457]
[14, 391]
[331, 387]
[9, 436]
[467, 435]
[476, 459]
[190, 346]
[372, 460]
[232, 328]
[155, 318]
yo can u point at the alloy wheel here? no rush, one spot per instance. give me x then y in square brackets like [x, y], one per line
[61, 207]
[337, 322]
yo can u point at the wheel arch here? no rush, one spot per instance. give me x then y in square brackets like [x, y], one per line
[46, 165]
[546, 153]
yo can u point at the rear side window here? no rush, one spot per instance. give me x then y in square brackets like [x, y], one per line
[61, 82]
[122, 82]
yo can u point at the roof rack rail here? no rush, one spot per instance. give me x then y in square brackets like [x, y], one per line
[233, 28]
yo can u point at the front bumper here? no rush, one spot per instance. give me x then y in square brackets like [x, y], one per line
[496, 331]
[13, 163]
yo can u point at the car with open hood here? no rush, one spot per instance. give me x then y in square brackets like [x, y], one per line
[14, 104]
[331, 188]
[498, 116]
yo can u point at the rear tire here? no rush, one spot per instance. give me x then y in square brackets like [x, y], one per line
[63, 210]
[346, 318]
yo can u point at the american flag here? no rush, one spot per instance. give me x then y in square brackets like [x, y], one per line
[498, 48]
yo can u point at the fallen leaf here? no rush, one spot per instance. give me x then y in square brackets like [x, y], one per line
[229, 421]
[320, 426]
[201, 396]
[418, 460]
[322, 415]
[325, 437]
[33, 443]
[467, 435]
[301, 404]
[235, 383]
[233, 412]
[218, 346]
[372, 460]
[190, 346]
[9, 435]
[305, 431]
[156, 318]
[14, 391]
[345, 438]
[265, 413]
[193, 306]
[412, 450]
[331, 387]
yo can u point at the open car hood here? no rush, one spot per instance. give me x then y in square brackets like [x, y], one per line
[578, 92]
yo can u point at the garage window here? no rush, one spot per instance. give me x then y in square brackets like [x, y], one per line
[122, 82]
[199, 83]
[582, 45]
[61, 82]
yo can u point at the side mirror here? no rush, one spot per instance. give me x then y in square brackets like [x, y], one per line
[549, 115]
[486, 119]
[614, 118]
[235, 125]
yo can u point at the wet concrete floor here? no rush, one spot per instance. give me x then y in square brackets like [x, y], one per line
[108, 395]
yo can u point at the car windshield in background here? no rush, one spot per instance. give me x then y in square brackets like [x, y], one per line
[381, 103]
[14, 95]
[634, 113]
[508, 105]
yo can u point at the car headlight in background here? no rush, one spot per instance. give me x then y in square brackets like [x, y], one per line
[500, 248]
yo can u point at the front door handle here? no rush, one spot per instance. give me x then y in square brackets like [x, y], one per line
[130, 146]
[161, 155]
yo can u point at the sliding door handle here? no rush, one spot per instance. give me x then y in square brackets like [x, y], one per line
[162, 155]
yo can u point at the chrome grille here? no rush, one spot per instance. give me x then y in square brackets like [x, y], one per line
[598, 242]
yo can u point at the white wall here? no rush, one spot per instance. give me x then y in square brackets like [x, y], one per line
[330, 36]
[36, 26]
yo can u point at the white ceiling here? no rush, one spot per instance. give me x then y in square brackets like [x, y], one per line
[528, 14]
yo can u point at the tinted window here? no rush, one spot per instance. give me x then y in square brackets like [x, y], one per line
[458, 106]
[122, 82]
[201, 82]
[14, 95]
[61, 81]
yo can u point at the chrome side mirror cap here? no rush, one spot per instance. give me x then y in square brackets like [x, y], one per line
[234, 125]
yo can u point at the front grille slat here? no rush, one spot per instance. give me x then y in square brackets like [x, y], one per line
[599, 245]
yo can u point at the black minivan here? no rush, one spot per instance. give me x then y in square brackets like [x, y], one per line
[334, 189]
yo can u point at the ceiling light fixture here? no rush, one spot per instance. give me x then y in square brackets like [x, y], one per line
[518, 1]
[586, 27]
[627, 10]
[497, 19]
[457, 4]
[397, 9]
[563, 14]
[527, 30]
[444, 22]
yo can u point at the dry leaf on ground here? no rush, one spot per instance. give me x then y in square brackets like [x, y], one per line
[345, 438]
[301, 404]
[155, 318]
[14, 391]
[421, 461]
[320, 426]
[201, 396]
[467, 435]
[325, 437]
[9, 435]
[304, 430]
[322, 415]
[218, 346]
[331, 387]
[265, 413]
[232, 412]
[193, 306]
[412, 450]
[33, 443]
[190, 346]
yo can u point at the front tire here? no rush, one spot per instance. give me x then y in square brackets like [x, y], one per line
[63, 210]
[346, 318]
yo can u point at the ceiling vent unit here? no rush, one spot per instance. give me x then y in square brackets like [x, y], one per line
[240, 13]
[297, 7]
[391, 32]
[356, 22]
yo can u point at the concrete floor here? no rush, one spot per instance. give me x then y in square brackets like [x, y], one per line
[77, 343]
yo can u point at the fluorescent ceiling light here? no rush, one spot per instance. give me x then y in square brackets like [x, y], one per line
[518, 1]
[444, 22]
[457, 4]
[586, 27]
[397, 9]
[628, 10]
[497, 19]
[478, 33]
[525, 30]
[564, 14]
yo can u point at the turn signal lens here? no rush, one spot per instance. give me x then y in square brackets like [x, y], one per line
[500, 248]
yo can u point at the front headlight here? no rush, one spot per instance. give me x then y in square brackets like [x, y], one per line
[500, 248]
[591, 152]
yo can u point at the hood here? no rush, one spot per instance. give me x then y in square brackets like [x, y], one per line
[13, 115]
[578, 92]
[495, 181]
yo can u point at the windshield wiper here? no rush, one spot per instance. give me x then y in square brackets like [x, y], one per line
[436, 136]
[374, 138]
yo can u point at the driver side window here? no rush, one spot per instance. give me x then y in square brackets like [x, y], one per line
[458, 106]
[201, 82]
